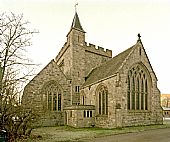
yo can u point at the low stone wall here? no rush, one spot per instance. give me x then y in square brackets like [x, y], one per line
[51, 119]
[141, 118]
[103, 122]
[80, 116]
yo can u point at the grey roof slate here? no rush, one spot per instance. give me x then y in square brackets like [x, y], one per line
[108, 68]
[76, 23]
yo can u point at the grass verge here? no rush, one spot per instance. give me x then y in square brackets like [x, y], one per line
[69, 134]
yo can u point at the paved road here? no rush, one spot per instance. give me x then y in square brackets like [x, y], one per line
[158, 135]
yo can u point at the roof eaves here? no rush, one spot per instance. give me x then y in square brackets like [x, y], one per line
[84, 86]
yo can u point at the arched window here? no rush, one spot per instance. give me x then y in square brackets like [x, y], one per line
[137, 93]
[133, 92]
[142, 94]
[102, 95]
[146, 95]
[53, 96]
[137, 88]
[128, 95]
[100, 103]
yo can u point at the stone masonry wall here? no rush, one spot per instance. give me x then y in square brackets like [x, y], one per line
[117, 87]
[78, 71]
[64, 60]
[151, 116]
[50, 72]
[32, 92]
[91, 98]
[83, 58]
[95, 57]
[77, 118]
[79, 59]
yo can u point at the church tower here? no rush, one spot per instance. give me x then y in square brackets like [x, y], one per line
[71, 59]
[76, 41]
[76, 59]
[76, 34]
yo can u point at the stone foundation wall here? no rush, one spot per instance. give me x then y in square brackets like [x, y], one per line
[138, 118]
[105, 122]
[76, 117]
[51, 119]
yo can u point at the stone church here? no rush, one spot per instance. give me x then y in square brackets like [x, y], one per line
[84, 86]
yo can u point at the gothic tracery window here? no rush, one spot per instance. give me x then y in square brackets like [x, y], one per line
[102, 95]
[137, 89]
[53, 95]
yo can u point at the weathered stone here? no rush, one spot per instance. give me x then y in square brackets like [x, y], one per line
[79, 73]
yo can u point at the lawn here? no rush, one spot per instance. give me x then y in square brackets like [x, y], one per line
[69, 134]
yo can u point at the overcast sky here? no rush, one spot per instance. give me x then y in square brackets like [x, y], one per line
[112, 24]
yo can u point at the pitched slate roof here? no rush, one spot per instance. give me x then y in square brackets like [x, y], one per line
[108, 68]
[76, 23]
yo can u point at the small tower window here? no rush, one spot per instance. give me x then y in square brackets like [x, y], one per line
[78, 38]
[83, 100]
[77, 89]
[140, 51]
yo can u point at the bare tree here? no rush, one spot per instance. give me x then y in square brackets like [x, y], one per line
[15, 37]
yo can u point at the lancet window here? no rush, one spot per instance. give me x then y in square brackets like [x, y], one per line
[102, 95]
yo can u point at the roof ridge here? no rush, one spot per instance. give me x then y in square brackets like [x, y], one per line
[119, 54]
[107, 68]
[127, 56]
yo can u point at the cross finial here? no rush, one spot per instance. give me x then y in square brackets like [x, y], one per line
[139, 36]
[76, 7]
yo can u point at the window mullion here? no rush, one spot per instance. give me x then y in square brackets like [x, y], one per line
[140, 94]
[100, 106]
[146, 95]
[47, 99]
[106, 94]
[52, 96]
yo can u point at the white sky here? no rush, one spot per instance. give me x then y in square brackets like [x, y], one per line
[112, 24]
